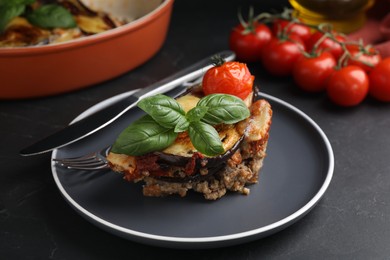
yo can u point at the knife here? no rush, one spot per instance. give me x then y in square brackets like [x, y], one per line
[106, 116]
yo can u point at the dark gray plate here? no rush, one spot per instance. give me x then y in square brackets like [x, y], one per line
[296, 173]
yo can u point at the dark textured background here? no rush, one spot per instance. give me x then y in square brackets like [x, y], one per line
[352, 221]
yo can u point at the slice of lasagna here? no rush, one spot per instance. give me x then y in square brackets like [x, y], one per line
[181, 167]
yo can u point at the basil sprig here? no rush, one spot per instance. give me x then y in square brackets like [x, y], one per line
[52, 16]
[46, 16]
[9, 9]
[166, 118]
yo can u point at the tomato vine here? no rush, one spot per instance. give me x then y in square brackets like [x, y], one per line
[294, 48]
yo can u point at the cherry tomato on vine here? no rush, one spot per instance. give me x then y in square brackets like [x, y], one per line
[348, 86]
[311, 73]
[326, 44]
[380, 81]
[291, 28]
[279, 55]
[232, 78]
[366, 58]
[247, 40]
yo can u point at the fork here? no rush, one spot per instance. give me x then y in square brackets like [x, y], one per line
[92, 161]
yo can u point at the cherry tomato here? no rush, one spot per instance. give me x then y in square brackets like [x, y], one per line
[232, 78]
[312, 73]
[247, 41]
[366, 58]
[279, 55]
[291, 28]
[348, 86]
[327, 44]
[380, 81]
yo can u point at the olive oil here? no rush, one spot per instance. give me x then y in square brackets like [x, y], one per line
[345, 15]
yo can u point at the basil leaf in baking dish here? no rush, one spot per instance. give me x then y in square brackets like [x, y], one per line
[16, 2]
[52, 16]
[9, 12]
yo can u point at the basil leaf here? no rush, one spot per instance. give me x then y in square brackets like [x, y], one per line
[205, 138]
[181, 127]
[196, 113]
[165, 110]
[9, 12]
[16, 2]
[143, 136]
[223, 108]
[52, 16]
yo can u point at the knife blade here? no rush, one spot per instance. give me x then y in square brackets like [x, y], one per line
[102, 118]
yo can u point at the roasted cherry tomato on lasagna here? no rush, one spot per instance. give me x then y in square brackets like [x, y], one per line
[231, 77]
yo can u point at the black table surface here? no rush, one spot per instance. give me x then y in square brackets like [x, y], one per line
[352, 220]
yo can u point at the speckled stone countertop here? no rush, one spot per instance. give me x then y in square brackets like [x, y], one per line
[351, 221]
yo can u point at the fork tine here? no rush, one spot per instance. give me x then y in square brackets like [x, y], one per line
[89, 167]
[78, 158]
[84, 166]
[92, 161]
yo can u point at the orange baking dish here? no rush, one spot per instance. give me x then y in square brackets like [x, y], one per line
[36, 71]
